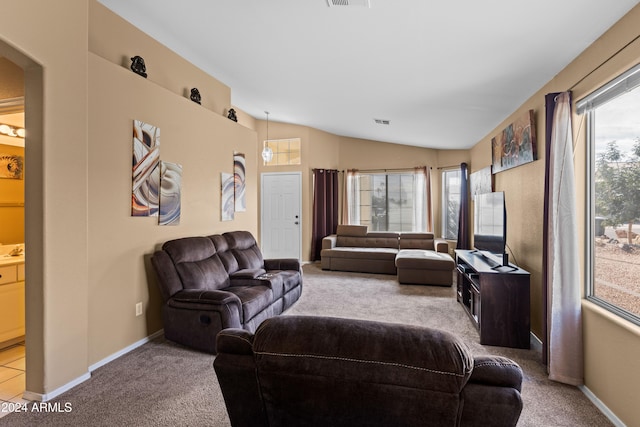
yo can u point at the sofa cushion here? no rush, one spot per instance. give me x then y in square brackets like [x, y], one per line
[226, 256]
[417, 241]
[371, 240]
[351, 230]
[424, 260]
[244, 249]
[197, 263]
[254, 299]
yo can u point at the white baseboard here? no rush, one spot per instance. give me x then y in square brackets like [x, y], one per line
[602, 407]
[125, 350]
[44, 397]
[536, 343]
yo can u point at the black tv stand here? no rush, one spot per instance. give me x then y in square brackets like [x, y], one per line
[496, 298]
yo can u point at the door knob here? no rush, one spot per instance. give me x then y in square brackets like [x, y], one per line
[296, 223]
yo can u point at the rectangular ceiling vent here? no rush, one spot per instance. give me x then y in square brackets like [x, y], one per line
[361, 3]
[382, 122]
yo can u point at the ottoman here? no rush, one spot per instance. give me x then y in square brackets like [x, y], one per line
[424, 267]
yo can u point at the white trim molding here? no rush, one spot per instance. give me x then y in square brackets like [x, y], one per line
[44, 397]
[602, 407]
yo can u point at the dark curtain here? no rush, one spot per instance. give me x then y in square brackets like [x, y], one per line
[325, 208]
[550, 108]
[463, 219]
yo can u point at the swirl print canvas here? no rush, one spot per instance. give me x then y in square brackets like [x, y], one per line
[239, 182]
[146, 169]
[170, 190]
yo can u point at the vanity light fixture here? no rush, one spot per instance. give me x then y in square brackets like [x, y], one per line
[267, 152]
[9, 130]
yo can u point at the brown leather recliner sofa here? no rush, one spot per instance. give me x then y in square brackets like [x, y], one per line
[221, 281]
[322, 371]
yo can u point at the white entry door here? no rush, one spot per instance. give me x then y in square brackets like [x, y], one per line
[281, 225]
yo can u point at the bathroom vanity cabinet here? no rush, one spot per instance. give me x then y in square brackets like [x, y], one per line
[11, 301]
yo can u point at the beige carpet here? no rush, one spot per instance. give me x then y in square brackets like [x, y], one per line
[163, 384]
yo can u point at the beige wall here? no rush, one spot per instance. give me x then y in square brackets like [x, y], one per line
[79, 143]
[524, 195]
[12, 78]
[611, 345]
[49, 40]
[323, 150]
[198, 137]
[87, 259]
[200, 140]
[115, 40]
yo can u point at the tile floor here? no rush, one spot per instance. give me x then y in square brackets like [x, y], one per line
[12, 375]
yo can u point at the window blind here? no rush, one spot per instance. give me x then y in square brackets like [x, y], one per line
[616, 87]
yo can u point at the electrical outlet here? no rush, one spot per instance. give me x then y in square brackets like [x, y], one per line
[139, 309]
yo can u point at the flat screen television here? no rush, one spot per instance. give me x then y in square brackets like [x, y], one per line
[490, 226]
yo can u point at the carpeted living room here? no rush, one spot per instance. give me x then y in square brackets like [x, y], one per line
[162, 383]
[131, 124]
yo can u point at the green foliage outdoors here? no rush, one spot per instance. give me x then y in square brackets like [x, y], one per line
[617, 186]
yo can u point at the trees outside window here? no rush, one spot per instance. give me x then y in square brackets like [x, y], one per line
[613, 242]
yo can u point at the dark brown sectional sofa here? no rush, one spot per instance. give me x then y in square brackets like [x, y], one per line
[417, 258]
[221, 281]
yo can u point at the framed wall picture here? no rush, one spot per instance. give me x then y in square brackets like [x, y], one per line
[239, 180]
[11, 166]
[516, 144]
[146, 169]
[227, 202]
[170, 193]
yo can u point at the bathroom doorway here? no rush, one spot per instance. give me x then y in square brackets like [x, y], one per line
[12, 233]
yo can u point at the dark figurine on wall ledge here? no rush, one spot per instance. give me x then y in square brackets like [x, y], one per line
[195, 95]
[232, 115]
[138, 67]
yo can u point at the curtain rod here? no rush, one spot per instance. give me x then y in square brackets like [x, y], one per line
[389, 170]
[604, 62]
[448, 167]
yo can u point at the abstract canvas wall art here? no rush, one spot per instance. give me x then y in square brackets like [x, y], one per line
[227, 204]
[170, 193]
[239, 180]
[11, 166]
[146, 169]
[516, 144]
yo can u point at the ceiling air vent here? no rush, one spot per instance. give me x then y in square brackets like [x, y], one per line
[382, 122]
[361, 3]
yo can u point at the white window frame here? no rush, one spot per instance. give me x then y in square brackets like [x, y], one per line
[444, 202]
[626, 82]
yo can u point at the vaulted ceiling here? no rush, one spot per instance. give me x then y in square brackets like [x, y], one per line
[443, 73]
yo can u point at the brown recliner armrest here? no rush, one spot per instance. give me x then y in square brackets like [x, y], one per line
[236, 371]
[496, 371]
[235, 341]
[215, 297]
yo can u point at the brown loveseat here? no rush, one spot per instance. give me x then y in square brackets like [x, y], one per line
[221, 281]
[417, 258]
[322, 371]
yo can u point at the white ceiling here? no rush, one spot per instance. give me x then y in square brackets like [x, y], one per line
[444, 73]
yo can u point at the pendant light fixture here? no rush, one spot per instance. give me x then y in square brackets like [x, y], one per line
[267, 152]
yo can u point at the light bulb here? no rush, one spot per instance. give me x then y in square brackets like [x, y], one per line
[267, 154]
